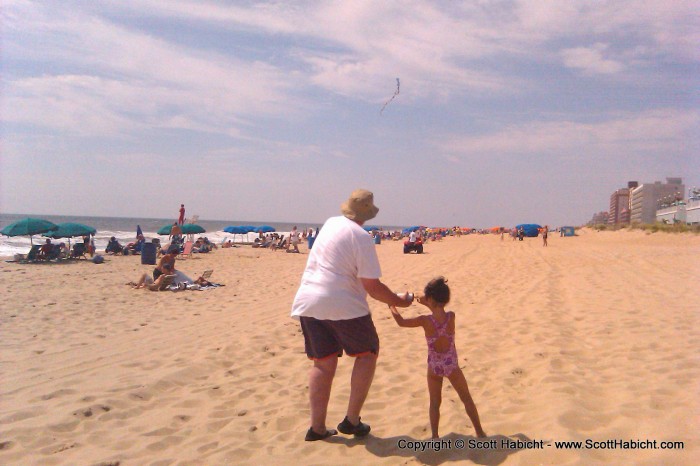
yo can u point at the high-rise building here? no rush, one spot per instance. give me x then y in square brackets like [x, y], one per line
[599, 218]
[619, 206]
[646, 198]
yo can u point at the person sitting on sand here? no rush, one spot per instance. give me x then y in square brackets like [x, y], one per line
[166, 265]
[113, 246]
[45, 251]
[136, 246]
[274, 246]
[439, 331]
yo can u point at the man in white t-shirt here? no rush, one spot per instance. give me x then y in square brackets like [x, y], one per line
[412, 237]
[331, 305]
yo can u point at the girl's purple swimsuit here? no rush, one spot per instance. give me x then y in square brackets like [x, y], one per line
[441, 364]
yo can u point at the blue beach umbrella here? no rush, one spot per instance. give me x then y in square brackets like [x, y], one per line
[138, 231]
[531, 230]
[264, 229]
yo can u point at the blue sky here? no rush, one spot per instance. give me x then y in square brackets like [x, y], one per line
[508, 111]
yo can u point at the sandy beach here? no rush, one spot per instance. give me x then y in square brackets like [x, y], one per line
[595, 337]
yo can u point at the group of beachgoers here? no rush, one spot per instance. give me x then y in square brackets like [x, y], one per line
[332, 309]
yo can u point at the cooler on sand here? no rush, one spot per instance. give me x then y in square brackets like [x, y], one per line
[148, 254]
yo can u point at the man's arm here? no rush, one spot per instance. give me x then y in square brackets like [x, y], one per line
[379, 291]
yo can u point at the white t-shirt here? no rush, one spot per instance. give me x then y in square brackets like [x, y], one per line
[330, 287]
[412, 237]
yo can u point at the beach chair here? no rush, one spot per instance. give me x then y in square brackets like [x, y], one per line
[165, 283]
[78, 251]
[207, 273]
[32, 254]
[279, 244]
[186, 251]
[55, 253]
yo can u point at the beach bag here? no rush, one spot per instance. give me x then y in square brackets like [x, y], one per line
[98, 259]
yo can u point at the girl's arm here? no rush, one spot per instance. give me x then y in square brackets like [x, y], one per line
[414, 322]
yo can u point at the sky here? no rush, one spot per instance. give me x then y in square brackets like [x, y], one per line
[504, 112]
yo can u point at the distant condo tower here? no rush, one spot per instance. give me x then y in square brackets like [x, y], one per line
[645, 199]
[620, 206]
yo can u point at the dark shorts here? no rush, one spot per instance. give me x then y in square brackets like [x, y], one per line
[323, 338]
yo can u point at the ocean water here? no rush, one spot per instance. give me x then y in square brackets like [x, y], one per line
[124, 229]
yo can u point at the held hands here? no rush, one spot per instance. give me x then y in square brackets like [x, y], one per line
[407, 300]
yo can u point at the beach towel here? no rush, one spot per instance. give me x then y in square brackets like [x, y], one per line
[184, 286]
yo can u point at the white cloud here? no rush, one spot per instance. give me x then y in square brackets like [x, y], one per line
[132, 79]
[590, 60]
[649, 132]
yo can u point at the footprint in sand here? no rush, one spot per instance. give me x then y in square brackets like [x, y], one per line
[92, 410]
[6, 445]
[58, 393]
[207, 447]
[64, 427]
[53, 449]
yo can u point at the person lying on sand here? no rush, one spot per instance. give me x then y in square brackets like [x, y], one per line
[145, 281]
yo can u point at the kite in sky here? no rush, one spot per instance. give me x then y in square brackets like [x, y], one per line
[398, 84]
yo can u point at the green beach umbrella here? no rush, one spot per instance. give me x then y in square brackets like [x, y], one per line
[166, 229]
[28, 227]
[192, 229]
[70, 230]
[187, 229]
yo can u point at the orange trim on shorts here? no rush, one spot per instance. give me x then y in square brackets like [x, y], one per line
[325, 357]
[364, 353]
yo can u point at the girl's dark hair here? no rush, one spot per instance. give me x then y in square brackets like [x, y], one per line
[438, 290]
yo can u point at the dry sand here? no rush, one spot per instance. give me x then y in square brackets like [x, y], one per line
[595, 337]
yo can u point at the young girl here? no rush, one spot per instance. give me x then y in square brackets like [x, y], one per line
[442, 356]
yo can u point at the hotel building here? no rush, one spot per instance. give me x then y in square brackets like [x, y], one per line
[619, 207]
[645, 198]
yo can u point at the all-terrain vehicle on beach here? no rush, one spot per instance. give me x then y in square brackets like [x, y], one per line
[416, 246]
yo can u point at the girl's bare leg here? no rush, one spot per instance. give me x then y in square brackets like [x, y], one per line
[435, 391]
[460, 385]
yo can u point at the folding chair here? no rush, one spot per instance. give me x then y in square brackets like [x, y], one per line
[165, 282]
[78, 251]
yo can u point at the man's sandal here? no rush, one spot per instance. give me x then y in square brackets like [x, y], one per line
[312, 436]
[359, 430]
